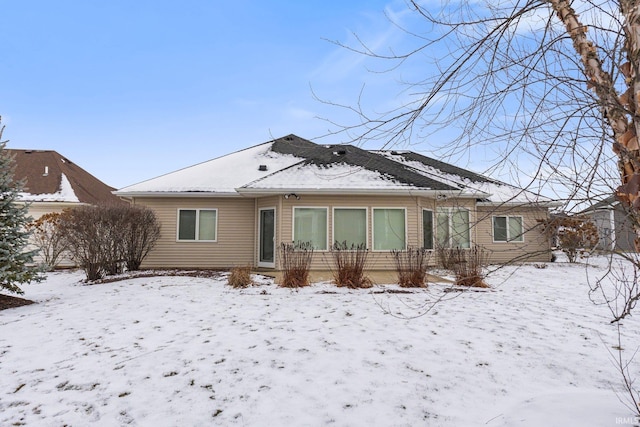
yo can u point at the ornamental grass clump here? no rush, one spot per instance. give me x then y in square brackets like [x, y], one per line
[296, 263]
[411, 267]
[349, 263]
[240, 277]
[468, 265]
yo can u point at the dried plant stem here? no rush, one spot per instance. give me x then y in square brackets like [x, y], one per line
[296, 263]
[411, 267]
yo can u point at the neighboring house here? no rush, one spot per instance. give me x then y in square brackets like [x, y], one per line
[53, 183]
[614, 228]
[237, 209]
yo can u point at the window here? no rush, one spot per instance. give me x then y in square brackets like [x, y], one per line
[197, 224]
[453, 228]
[507, 229]
[310, 226]
[389, 231]
[427, 229]
[350, 226]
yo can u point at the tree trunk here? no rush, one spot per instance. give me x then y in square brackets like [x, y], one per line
[620, 111]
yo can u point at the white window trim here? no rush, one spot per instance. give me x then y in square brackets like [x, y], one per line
[509, 240]
[373, 227]
[197, 225]
[450, 210]
[433, 228]
[366, 222]
[293, 224]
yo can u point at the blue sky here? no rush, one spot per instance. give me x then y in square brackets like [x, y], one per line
[133, 89]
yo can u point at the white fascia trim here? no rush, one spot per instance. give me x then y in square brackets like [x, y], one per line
[515, 204]
[362, 192]
[51, 203]
[197, 194]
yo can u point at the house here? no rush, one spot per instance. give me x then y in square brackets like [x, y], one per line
[53, 183]
[614, 227]
[237, 209]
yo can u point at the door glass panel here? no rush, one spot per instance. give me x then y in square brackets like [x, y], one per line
[267, 233]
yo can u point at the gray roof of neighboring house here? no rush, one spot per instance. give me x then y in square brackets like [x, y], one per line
[607, 203]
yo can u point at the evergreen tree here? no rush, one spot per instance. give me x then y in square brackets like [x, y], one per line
[16, 262]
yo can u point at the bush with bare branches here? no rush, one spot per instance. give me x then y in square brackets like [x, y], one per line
[468, 266]
[48, 238]
[296, 263]
[576, 235]
[349, 263]
[105, 239]
[85, 234]
[141, 232]
[411, 266]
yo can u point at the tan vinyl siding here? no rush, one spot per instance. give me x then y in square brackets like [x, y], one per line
[235, 245]
[535, 245]
[238, 229]
[37, 209]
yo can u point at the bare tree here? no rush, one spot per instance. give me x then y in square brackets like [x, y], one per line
[550, 83]
[524, 78]
[534, 80]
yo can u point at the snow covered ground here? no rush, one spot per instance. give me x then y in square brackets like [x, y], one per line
[169, 351]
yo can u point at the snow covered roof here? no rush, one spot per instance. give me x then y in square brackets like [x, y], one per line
[222, 175]
[293, 164]
[64, 194]
[51, 177]
[607, 203]
[497, 192]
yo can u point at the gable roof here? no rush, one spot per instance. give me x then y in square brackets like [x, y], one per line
[608, 203]
[294, 164]
[51, 177]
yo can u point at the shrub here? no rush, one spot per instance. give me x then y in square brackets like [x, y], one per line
[576, 235]
[141, 233]
[446, 257]
[240, 277]
[48, 237]
[85, 235]
[106, 239]
[349, 263]
[411, 267]
[468, 265]
[296, 263]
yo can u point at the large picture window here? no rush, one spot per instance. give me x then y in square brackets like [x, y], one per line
[453, 228]
[197, 225]
[310, 226]
[350, 226]
[507, 229]
[389, 229]
[427, 229]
